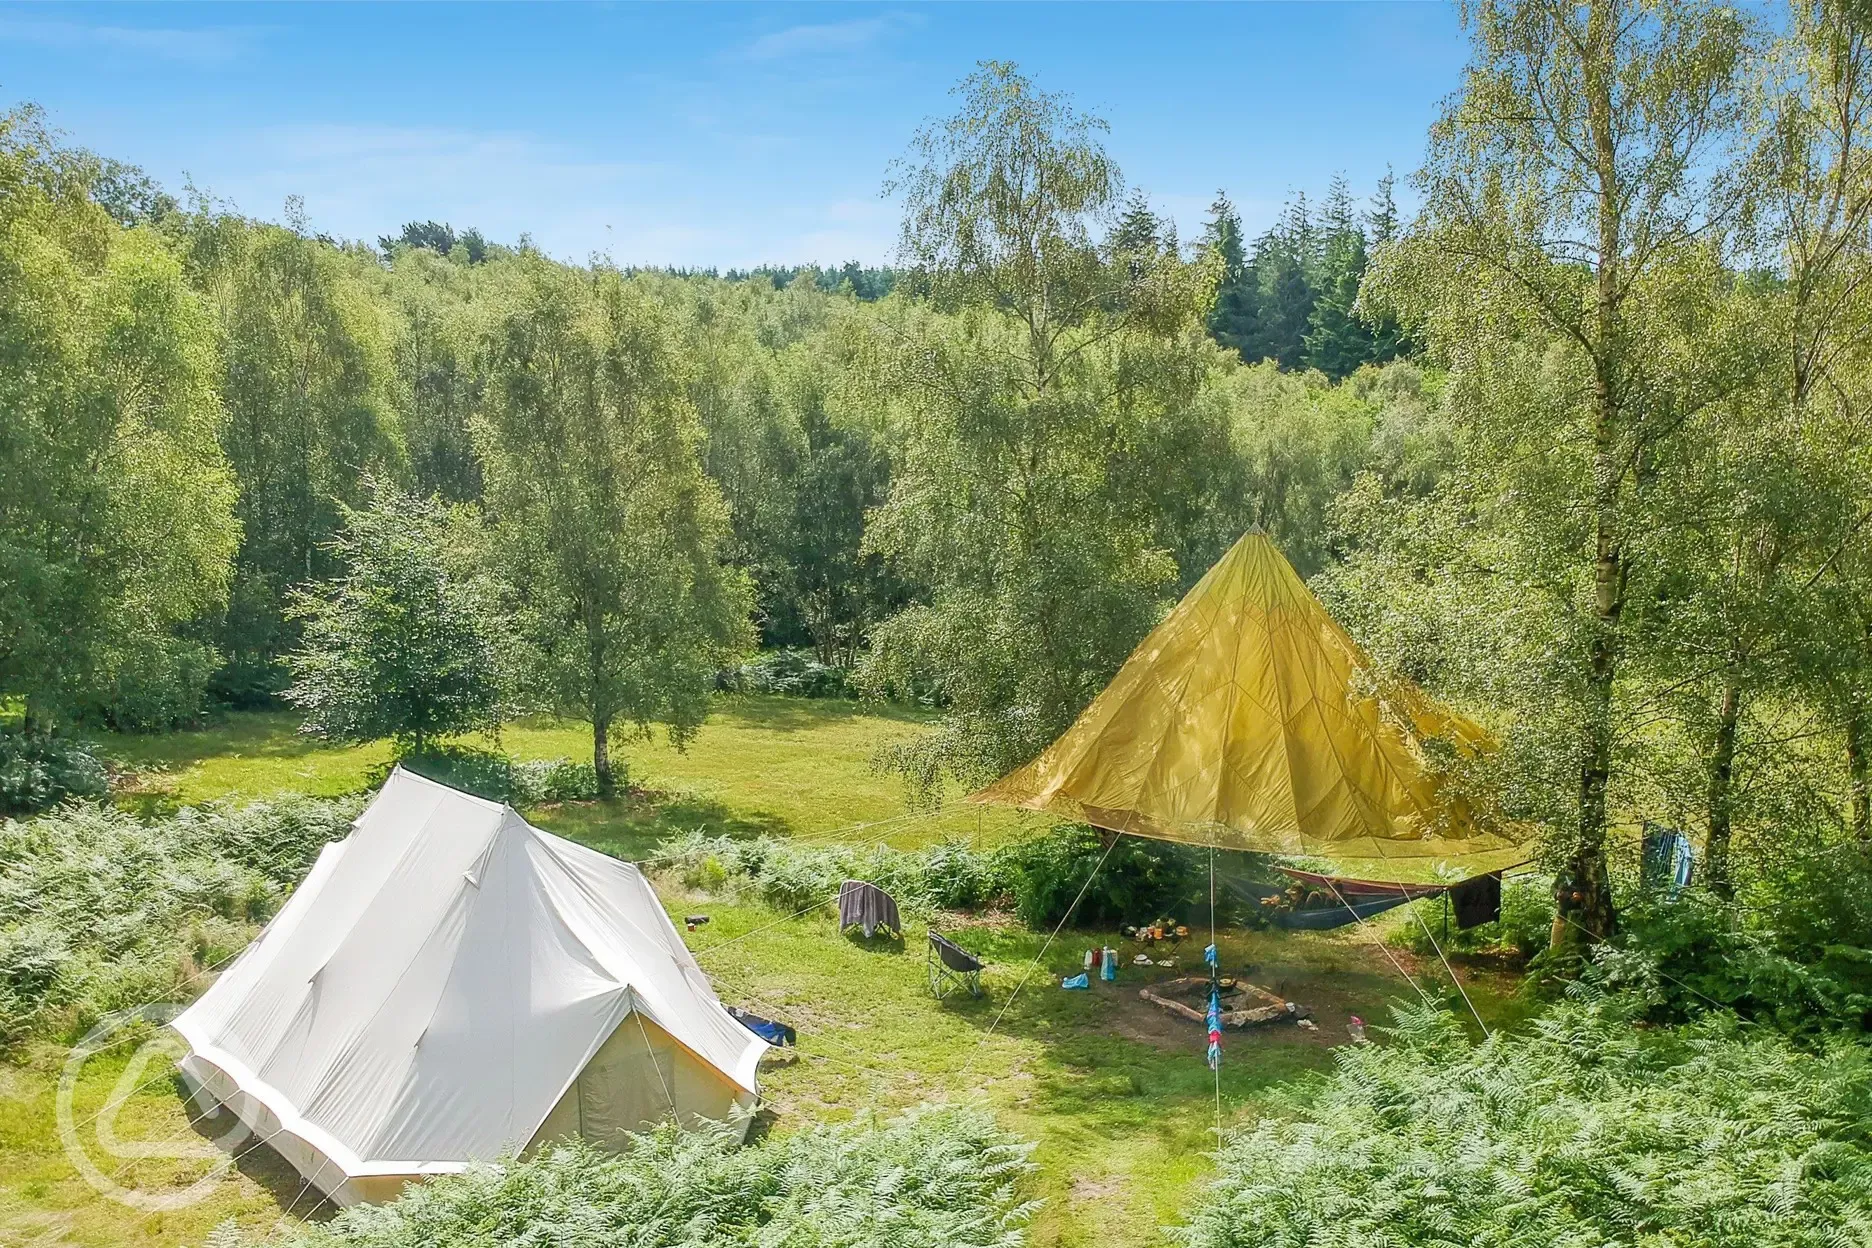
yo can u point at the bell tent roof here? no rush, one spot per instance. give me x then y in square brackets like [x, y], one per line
[441, 978]
[1249, 719]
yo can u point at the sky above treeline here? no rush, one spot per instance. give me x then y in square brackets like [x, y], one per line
[721, 135]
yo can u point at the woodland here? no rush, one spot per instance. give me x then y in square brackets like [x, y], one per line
[1582, 445]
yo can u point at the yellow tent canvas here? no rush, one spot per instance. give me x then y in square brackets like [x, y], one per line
[1249, 719]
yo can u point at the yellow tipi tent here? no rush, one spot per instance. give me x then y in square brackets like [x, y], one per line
[1250, 720]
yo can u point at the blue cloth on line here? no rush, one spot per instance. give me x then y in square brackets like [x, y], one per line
[1667, 861]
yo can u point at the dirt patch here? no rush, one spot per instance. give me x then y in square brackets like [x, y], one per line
[1089, 1189]
[1364, 984]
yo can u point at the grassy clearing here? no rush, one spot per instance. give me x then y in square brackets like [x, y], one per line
[1114, 1091]
[783, 766]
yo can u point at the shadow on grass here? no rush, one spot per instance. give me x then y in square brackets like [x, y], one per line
[262, 1166]
[783, 714]
[882, 942]
[636, 826]
[255, 734]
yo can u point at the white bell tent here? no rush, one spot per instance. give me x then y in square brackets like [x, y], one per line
[450, 983]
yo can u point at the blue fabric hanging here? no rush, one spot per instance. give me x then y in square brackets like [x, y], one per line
[1215, 1027]
[1667, 861]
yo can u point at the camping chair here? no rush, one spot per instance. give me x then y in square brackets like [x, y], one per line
[949, 965]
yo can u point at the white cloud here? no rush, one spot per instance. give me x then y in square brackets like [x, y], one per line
[826, 37]
[359, 182]
[207, 45]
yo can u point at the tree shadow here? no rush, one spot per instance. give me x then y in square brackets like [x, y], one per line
[777, 713]
[637, 825]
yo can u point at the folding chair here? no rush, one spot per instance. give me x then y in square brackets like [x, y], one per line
[951, 965]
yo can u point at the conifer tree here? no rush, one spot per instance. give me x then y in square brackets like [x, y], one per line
[1231, 320]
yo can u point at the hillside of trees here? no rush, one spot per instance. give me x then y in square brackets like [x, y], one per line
[1590, 462]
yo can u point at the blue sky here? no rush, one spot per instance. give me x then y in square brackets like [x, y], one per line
[722, 134]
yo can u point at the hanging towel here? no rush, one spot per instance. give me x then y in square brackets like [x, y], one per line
[1477, 901]
[865, 905]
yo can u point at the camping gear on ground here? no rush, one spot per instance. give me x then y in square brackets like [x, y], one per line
[1240, 1004]
[1356, 1029]
[1249, 719]
[693, 921]
[449, 984]
[773, 1032]
[1108, 966]
[951, 965]
[1080, 980]
[865, 905]
[1668, 860]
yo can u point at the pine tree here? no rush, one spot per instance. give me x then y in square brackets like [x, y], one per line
[1340, 220]
[1302, 236]
[1138, 230]
[1387, 337]
[1337, 342]
[1383, 217]
[1285, 262]
[1232, 319]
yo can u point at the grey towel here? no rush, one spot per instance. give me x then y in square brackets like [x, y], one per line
[867, 906]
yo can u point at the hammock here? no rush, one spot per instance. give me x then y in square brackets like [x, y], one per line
[1344, 899]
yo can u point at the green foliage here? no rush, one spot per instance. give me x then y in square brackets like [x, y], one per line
[1525, 926]
[501, 778]
[793, 877]
[793, 437]
[150, 683]
[400, 644]
[437, 310]
[1039, 876]
[1584, 1131]
[931, 1178]
[1793, 949]
[100, 912]
[437, 237]
[793, 672]
[607, 532]
[116, 503]
[1141, 880]
[306, 382]
[1039, 425]
[38, 771]
[1294, 300]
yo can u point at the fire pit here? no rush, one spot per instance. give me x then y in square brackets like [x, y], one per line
[1243, 1004]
